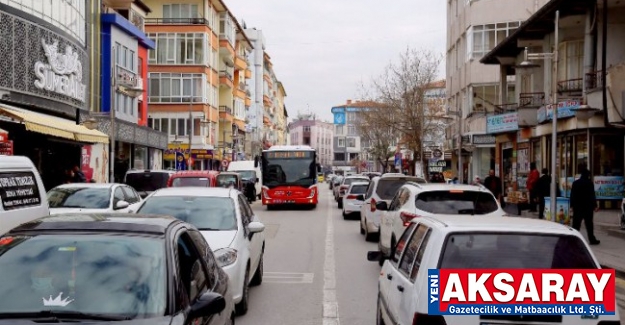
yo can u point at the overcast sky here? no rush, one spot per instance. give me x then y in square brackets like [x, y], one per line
[322, 50]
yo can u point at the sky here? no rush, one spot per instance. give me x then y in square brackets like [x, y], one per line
[323, 50]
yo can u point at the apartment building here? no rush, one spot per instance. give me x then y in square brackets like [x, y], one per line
[474, 28]
[348, 148]
[307, 130]
[588, 93]
[274, 110]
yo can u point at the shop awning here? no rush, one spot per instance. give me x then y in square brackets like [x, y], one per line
[52, 125]
[240, 125]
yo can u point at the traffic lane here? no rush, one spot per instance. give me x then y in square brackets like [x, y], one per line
[291, 292]
[356, 278]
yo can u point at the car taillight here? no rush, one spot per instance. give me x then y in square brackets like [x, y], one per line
[352, 197]
[373, 203]
[344, 187]
[407, 217]
[424, 319]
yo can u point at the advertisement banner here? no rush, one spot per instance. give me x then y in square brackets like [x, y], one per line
[563, 211]
[606, 187]
[181, 162]
[565, 109]
[502, 123]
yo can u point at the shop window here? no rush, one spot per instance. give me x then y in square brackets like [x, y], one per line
[196, 127]
[537, 155]
[581, 152]
[607, 155]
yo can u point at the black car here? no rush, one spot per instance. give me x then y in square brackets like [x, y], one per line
[92, 268]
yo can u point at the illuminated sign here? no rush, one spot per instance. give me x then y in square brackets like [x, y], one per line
[288, 154]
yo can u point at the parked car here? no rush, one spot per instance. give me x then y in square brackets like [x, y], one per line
[414, 200]
[353, 198]
[336, 181]
[147, 181]
[484, 242]
[381, 188]
[251, 175]
[92, 198]
[94, 268]
[345, 183]
[229, 179]
[22, 192]
[227, 222]
[193, 178]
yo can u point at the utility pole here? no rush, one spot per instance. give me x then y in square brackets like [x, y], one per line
[112, 116]
[191, 125]
[554, 125]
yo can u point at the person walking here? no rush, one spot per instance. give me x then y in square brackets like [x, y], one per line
[493, 184]
[79, 176]
[532, 178]
[584, 204]
[542, 189]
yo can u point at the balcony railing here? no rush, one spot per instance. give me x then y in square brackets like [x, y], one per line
[571, 85]
[531, 99]
[177, 21]
[224, 73]
[225, 109]
[594, 80]
[506, 108]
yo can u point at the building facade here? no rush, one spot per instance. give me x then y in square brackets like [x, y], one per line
[306, 130]
[124, 49]
[474, 28]
[47, 86]
[587, 92]
[347, 146]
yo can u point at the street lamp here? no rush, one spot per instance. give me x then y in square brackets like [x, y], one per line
[525, 68]
[90, 123]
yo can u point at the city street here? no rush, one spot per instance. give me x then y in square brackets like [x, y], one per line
[302, 264]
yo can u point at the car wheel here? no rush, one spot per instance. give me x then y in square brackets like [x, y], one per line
[362, 230]
[340, 204]
[368, 236]
[258, 275]
[242, 306]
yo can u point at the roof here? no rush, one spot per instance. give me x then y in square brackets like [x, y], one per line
[361, 104]
[143, 6]
[536, 27]
[453, 223]
[195, 191]
[132, 171]
[194, 173]
[109, 222]
[436, 84]
[9, 162]
[88, 185]
[457, 187]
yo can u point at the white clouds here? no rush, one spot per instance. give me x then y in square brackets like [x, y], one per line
[321, 50]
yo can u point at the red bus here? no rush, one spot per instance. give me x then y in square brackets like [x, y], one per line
[289, 176]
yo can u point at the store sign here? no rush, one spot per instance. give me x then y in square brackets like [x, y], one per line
[565, 109]
[606, 187]
[339, 118]
[62, 73]
[19, 190]
[437, 166]
[170, 153]
[502, 123]
[483, 139]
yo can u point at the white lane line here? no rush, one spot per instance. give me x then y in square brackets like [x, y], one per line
[330, 304]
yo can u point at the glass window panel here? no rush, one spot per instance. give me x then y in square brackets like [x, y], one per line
[181, 126]
[489, 40]
[501, 35]
[165, 87]
[165, 125]
[171, 49]
[186, 87]
[502, 26]
[514, 24]
[196, 127]
[166, 11]
[175, 87]
[173, 126]
[198, 50]
[490, 27]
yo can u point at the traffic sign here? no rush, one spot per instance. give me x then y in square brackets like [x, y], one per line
[224, 163]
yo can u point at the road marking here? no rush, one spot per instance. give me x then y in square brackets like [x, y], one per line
[330, 304]
[288, 277]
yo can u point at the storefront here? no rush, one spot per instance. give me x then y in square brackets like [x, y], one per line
[482, 155]
[45, 87]
[201, 159]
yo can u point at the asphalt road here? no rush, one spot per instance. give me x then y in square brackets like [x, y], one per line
[316, 271]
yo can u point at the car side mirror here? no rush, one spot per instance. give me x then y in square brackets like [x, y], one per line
[210, 303]
[374, 256]
[255, 227]
[121, 205]
[382, 206]
[360, 197]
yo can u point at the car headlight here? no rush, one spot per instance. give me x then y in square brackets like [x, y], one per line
[225, 256]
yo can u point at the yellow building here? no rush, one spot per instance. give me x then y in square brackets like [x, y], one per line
[280, 115]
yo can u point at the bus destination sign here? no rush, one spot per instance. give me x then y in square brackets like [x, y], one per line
[288, 154]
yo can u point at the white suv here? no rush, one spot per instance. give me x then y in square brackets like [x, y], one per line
[457, 242]
[344, 186]
[381, 188]
[414, 200]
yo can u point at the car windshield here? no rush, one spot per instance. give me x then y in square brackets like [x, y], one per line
[93, 274]
[387, 187]
[515, 250]
[247, 174]
[349, 181]
[190, 181]
[205, 213]
[147, 181]
[359, 189]
[456, 202]
[289, 171]
[226, 180]
[80, 197]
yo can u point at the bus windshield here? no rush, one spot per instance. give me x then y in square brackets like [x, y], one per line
[289, 171]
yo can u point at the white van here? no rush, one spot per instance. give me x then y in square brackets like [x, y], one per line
[22, 193]
[248, 173]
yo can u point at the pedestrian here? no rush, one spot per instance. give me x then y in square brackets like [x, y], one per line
[79, 177]
[542, 189]
[477, 181]
[455, 180]
[493, 184]
[532, 178]
[584, 204]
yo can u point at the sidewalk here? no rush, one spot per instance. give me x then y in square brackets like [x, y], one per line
[611, 251]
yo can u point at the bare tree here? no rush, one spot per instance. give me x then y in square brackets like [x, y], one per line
[402, 89]
[377, 135]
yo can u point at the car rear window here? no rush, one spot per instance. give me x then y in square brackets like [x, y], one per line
[514, 250]
[148, 181]
[359, 189]
[190, 181]
[349, 181]
[387, 187]
[456, 202]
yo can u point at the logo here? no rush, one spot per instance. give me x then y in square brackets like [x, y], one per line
[288, 193]
[58, 301]
[521, 292]
[63, 72]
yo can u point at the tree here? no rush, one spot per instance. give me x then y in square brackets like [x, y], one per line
[377, 135]
[401, 90]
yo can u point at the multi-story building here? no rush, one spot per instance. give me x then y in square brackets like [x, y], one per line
[281, 115]
[307, 130]
[347, 146]
[49, 86]
[584, 77]
[124, 52]
[474, 28]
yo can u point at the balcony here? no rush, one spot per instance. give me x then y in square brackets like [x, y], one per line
[177, 21]
[531, 100]
[248, 74]
[225, 114]
[240, 63]
[571, 87]
[225, 79]
[506, 108]
[594, 80]
[225, 109]
[267, 101]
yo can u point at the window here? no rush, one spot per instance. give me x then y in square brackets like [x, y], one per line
[351, 142]
[118, 196]
[177, 88]
[341, 142]
[226, 28]
[485, 37]
[417, 262]
[205, 213]
[180, 48]
[410, 251]
[81, 197]
[339, 156]
[206, 252]
[399, 248]
[351, 130]
[339, 129]
[190, 267]
[180, 11]
[447, 202]
[306, 128]
[571, 60]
